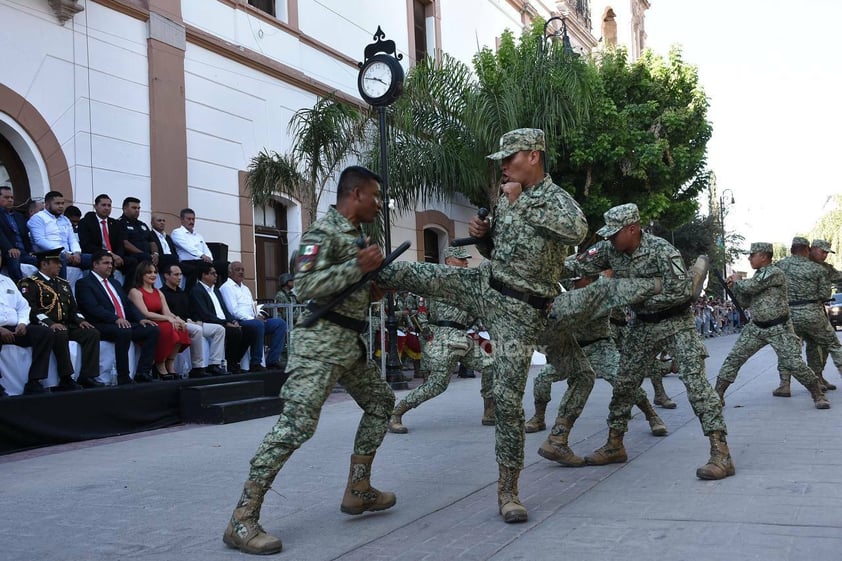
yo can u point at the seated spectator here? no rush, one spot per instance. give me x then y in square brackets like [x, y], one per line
[102, 300]
[162, 243]
[53, 305]
[208, 306]
[152, 305]
[49, 228]
[15, 242]
[97, 230]
[34, 206]
[240, 303]
[15, 329]
[74, 214]
[138, 243]
[193, 251]
[179, 304]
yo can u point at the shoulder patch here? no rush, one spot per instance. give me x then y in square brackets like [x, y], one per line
[678, 266]
[312, 249]
[306, 258]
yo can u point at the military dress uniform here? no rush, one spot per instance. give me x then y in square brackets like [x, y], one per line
[52, 301]
[765, 294]
[664, 323]
[806, 289]
[330, 351]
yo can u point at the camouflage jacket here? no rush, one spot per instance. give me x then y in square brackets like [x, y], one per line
[529, 238]
[764, 293]
[655, 257]
[805, 279]
[284, 296]
[325, 266]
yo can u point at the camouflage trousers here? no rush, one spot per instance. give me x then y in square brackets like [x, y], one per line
[601, 357]
[304, 393]
[811, 324]
[678, 338]
[514, 328]
[439, 357]
[782, 339]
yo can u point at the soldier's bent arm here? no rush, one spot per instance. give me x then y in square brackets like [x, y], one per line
[332, 270]
[762, 279]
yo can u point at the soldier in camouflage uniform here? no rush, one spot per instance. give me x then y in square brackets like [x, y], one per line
[663, 322]
[806, 289]
[574, 351]
[819, 250]
[328, 352]
[766, 295]
[286, 295]
[526, 242]
[447, 344]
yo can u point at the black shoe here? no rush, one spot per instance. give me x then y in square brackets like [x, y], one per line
[235, 370]
[256, 367]
[67, 384]
[199, 373]
[33, 387]
[143, 378]
[274, 366]
[215, 370]
[90, 382]
[124, 380]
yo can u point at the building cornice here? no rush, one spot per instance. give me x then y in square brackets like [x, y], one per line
[65, 9]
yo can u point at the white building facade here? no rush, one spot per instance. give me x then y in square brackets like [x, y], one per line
[168, 100]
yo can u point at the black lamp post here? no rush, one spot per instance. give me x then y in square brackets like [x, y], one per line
[380, 83]
[566, 46]
[722, 226]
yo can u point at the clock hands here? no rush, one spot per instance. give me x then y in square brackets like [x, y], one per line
[376, 79]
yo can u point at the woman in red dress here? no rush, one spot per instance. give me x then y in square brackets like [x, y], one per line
[152, 304]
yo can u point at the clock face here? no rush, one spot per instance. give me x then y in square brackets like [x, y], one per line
[376, 79]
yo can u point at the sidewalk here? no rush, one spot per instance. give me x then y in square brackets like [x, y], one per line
[167, 495]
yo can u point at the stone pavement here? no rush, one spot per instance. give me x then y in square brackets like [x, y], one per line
[167, 495]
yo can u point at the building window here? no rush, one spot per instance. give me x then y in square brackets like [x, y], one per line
[419, 18]
[267, 6]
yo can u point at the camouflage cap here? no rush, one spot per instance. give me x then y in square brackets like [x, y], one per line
[823, 245]
[517, 140]
[760, 247]
[285, 278]
[618, 217]
[800, 240]
[571, 268]
[456, 252]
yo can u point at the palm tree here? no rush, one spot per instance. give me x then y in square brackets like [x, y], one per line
[325, 136]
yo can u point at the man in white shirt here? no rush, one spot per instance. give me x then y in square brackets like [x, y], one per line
[240, 303]
[192, 250]
[49, 228]
[16, 330]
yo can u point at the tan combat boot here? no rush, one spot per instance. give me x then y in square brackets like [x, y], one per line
[243, 531]
[489, 415]
[612, 452]
[661, 397]
[819, 399]
[656, 425]
[360, 496]
[721, 386]
[508, 502]
[536, 423]
[827, 385]
[783, 390]
[395, 422]
[719, 465]
[555, 447]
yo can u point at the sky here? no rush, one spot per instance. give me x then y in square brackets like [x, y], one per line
[773, 73]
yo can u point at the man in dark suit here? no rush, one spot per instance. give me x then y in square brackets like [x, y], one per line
[163, 248]
[97, 230]
[14, 235]
[53, 305]
[102, 300]
[207, 305]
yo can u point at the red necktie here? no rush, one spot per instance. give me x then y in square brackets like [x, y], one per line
[105, 235]
[117, 307]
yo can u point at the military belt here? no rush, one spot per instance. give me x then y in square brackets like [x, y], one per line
[771, 322]
[344, 321]
[537, 302]
[794, 303]
[583, 344]
[453, 324]
[664, 314]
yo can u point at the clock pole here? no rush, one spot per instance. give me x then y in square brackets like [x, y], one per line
[376, 50]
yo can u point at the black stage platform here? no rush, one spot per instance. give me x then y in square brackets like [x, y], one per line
[31, 421]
